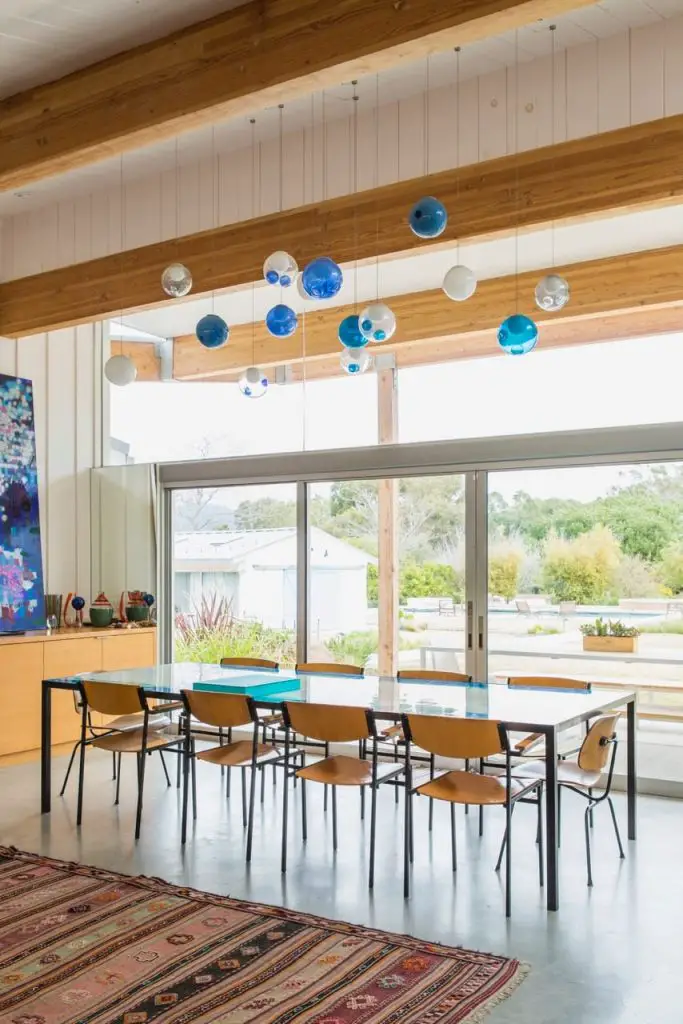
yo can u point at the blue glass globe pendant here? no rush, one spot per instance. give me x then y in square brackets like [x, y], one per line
[350, 334]
[428, 218]
[281, 321]
[518, 335]
[322, 278]
[212, 331]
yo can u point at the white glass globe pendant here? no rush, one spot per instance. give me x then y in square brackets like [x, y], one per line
[377, 322]
[176, 281]
[253, 383]
[120, 370]
[552, 293]
[460, 283]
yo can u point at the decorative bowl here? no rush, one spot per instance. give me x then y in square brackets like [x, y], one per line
[101, 616]
[137, 612]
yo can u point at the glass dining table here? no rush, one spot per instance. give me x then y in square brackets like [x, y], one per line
[547, 712]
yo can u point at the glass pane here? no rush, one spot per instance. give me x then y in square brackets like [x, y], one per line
[586, 581]
[431, 531]
[234, 573]
[343, 559]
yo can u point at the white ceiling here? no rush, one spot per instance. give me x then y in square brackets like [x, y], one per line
[41, 40]
[534, 250]
[29, 28]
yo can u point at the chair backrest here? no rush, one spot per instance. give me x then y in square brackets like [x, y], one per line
[112, 698]
[456, 737]
[330, 723]
[549, 683]
[249, 663]
[406, 674]
[220, 709]
[332, 669]
[597, 746]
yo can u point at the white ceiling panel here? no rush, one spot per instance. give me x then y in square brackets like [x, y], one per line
[41, 40]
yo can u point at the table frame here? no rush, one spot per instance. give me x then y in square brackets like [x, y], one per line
[550, 734]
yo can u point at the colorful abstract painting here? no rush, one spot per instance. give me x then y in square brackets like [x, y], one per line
[22, 604]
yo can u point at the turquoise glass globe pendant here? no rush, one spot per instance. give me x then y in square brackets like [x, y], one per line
[518, 335]
[350, 334]
[428, 218]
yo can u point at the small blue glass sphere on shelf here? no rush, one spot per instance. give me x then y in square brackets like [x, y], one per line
[322, 278]
[281, 321]
[280, 268]
[212, 331]
[517, 335]
[253, 383]
[355, 360]
[350, 334]
[428, 218]
[148, 599]
[78, 603]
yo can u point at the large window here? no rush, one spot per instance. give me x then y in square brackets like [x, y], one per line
[235, 573]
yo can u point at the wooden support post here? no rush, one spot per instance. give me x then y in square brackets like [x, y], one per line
[387, 411]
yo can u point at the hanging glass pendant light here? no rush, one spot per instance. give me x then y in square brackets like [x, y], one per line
[120, 370]
[280, 268]
[552, 293]
[322, 278]
[355, 360]
[377, 322]
[459, 283]
[253, 383]
[212, 331]
[517, 335]
[176, 281]
[350, 334]
[281, 321]
[428, 218]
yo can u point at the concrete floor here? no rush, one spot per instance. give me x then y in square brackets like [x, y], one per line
[611, 954]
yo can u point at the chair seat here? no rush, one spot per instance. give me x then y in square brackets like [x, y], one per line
[124, 723]
[272, 721]
[130, 742]
[341, 770]
[568, 773]
[239, 754]
[393, 733]
[472, 788]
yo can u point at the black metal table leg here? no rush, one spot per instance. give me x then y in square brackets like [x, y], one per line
[46, 749]
[553, 890]
[631, 767]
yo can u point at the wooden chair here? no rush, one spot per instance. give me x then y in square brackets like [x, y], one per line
[331, 669]
[124, 723]
[531, 744]
[120, 699]
[267, 719]
[226, 711]
[466, 739]
[394, 733]
[329, 723]
[249, 663]
[598, 752]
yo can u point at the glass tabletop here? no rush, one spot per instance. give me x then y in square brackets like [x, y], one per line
[516, 706]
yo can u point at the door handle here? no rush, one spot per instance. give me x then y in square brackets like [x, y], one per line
[470, 621]
[481, 632]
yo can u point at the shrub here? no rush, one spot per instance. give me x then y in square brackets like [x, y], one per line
[539, 630]
[355, 648]
[211, 632]
[633, 577]
[609, 628]
[582, 569]
[428, 579]
[505, 562]
[671, 567]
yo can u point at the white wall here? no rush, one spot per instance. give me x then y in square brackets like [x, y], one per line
[599, 86]
[123, 530]
[66, 369]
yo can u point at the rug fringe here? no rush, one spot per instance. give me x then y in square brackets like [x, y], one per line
[482, 1012]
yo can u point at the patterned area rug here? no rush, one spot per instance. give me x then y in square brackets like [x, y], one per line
[83, 946]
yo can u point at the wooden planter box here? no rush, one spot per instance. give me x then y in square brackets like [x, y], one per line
[611, 644]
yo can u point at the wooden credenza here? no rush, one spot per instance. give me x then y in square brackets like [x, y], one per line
[26, 660]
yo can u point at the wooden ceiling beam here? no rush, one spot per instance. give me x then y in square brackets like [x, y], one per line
[624, 169]
[602, 293]
[259, 54]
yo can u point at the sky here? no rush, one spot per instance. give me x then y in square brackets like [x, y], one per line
[624, 383]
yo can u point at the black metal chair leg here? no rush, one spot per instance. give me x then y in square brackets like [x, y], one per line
[193, 767]
[187, 750]
[81, 774]
[590, 816]
[142, 761]
[540, 836]
[304, 820]
[118, 782]
[220, 741]
[373, 824]
[163, 764]
[113, 768]
[431, 802]
[559, 816]
[467, 768]
[244, 797]
[325, 797]
[454, 852]
[362, 803]
[68, 771]
[252, 794]
[263, 784]
[285, 803]
[508, 862]
[588, 846]
[616, 827]
[334, 817]
[481, 820]
[503, 845]
[406, 841]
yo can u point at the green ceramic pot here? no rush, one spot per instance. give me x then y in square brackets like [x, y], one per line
[137, 612]
[101, 616]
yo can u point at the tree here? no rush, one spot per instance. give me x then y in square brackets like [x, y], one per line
[671, 568]
[505, 562]
[582, 569]
[265, 514]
